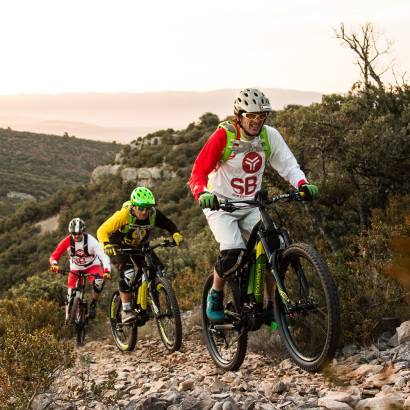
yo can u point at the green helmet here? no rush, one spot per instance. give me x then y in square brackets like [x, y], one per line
[142, 196]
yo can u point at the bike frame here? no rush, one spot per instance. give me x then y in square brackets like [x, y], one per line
[142, 285]
[80, 284]
[261, 234]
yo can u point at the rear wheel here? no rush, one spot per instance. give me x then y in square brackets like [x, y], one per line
[167, 314]
[125, 335]
[310, 325]
[227, 342]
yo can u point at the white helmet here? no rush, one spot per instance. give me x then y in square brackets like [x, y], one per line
[76, 226]
[251, 100]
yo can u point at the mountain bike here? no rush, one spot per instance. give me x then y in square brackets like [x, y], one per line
[78, 304]
[152, 297]
[305, 299]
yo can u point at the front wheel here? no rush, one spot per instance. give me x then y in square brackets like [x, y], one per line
[309, 323]
[78, 314]
[75, 311]
[227, 342]
[125, 335]
[165, 307]
[80, 327]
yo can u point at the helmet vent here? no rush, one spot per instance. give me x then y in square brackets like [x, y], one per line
[251, 100]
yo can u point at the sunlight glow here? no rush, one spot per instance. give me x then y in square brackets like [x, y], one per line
[50, 46]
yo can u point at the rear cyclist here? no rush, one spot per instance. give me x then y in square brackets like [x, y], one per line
[86, 255]
[130, 227]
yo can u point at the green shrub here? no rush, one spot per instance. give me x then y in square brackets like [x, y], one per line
[369, 291]
[43, 286]
[30, 350]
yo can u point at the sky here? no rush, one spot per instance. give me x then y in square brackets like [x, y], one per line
[64, 46]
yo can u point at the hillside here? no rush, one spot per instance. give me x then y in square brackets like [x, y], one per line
[33, 166]
[360, 224]
[345, 144]
[125, 116]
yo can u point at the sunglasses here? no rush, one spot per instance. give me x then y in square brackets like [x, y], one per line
[143, 208]
[255, 115]
[76, 235]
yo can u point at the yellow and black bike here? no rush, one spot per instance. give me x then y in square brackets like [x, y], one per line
[152, 297]
[306, 304]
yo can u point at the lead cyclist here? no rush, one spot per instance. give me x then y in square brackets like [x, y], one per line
[230, 166]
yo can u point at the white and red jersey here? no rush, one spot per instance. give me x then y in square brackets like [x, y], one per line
[240, 177]
[81, 259]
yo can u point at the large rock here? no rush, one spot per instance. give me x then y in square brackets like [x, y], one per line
[103, 171]
[20, 196]
[403, 332]
[129, 174]
[143, 176]
[380, 403]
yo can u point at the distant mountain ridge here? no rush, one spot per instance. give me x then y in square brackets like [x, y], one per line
[34, 166]
[125, 116]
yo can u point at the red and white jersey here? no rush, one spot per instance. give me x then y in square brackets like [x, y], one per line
[79, 260]
[240, 177]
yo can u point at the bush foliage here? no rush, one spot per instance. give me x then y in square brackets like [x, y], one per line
[30, 349]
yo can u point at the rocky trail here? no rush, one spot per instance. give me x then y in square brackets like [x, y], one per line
[102, 377]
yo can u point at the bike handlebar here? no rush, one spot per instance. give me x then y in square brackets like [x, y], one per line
[146, 247]
[63, 272]
[261, 200]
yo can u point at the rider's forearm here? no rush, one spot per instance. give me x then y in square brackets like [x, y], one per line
[163, 222]
[62, 246]
[206, 162]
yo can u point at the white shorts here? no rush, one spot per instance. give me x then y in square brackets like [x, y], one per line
[231, 230]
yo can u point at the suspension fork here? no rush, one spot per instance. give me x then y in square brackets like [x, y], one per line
[301, 275]
[142, 292]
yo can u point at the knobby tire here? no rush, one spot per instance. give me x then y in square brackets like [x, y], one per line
[311, 334]
[169, 330]
[214, 338]
[125, 337]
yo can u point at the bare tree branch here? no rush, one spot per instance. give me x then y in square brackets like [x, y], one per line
[367, 47]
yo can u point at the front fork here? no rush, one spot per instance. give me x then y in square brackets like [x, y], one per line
[145, 291]
[273, 263]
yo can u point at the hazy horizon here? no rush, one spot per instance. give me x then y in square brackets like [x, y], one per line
[125, 116]
[76, 66]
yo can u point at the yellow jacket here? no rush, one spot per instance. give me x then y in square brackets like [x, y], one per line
[118, 225]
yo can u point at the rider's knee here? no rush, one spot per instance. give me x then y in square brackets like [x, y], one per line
[228, 261]
[127, 278]
[98, 285]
